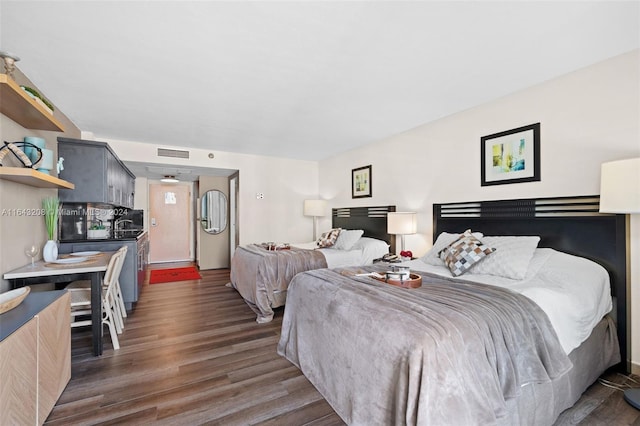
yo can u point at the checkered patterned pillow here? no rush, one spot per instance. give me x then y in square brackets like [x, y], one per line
[328, 239]
[462, 254]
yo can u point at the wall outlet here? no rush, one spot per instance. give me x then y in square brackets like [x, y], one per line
[259, 195]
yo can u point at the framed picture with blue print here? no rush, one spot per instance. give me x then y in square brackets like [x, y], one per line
[511, 156]
[361, 182]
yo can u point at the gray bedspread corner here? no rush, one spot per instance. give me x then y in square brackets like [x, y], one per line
[447, 353]
[262, 276]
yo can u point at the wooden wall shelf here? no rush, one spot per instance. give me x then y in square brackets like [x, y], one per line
[22, 109]
[33, 177]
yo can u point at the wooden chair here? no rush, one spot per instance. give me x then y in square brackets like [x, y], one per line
[81, 300]
[121, 313]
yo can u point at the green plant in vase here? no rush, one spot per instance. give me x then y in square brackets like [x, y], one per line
[50, 206]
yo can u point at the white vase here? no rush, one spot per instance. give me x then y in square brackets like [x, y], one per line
[50, 251]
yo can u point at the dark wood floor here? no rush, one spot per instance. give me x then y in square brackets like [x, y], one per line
[192, 353]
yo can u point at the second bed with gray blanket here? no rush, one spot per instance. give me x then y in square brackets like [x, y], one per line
[262, 276]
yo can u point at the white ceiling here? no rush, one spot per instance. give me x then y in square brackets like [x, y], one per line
[301, 79]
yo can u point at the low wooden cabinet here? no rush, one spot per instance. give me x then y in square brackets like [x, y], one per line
[54, 354]
[35, 359]
[19, 373]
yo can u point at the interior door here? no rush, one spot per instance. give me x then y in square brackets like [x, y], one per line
[169, 223]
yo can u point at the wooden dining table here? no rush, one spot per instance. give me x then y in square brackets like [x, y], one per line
[92, 268]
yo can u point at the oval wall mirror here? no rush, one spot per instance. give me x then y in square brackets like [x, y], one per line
[213, 212]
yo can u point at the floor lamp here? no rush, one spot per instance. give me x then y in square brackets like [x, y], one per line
[315, 208]
[402, 223]
[620, 193]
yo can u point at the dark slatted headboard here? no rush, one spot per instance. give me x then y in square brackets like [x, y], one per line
[372, 220]
[569, 224]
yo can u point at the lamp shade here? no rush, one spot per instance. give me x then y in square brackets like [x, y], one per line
[314, 207]
[620, 186]
[402, 223]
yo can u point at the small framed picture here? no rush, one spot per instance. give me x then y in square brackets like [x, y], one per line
[512, 156]
[361, 182]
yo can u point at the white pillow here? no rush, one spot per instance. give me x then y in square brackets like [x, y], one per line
[511, 258]
[372, 248]
[347, 239]
[366, 242]
[432, 257]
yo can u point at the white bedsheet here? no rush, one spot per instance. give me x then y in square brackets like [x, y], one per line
[342, 258]
[574, 292]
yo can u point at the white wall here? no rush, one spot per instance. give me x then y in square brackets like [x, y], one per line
[285, 184]
[587, 117]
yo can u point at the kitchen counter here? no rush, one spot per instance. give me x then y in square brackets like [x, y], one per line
[126, 235]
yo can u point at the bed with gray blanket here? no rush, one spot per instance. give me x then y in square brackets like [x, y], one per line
[461, 350]
[262, 276]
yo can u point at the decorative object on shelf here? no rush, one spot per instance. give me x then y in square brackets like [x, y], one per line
[402, 223]
[13, 298]
[59, 166]
[512, 156]
[361, 182]
[45, 165]
[50, 206]
[39, 98]
[20, 154]
[315, 208]
[34, 142]
[9, 62]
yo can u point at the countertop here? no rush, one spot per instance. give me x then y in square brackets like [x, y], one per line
[32, 305]
[127, 235]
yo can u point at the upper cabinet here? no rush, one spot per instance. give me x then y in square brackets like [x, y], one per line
[97, 172]
[22, 109]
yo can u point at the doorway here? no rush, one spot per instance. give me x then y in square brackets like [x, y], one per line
[169, 223]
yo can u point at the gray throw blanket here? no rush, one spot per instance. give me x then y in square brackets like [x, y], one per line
[262, 276]
[448, 353]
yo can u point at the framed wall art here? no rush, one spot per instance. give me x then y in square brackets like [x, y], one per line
[361, 182]
[512, 156]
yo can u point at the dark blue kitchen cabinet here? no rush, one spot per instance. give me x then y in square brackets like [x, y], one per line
[97, 173]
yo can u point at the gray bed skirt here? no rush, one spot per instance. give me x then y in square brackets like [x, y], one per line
[592, 358]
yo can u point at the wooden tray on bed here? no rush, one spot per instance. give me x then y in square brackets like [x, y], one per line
[414, 281]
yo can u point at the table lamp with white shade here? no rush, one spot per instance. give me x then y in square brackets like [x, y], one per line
[620, 193]
[315, 208]
[402, 223]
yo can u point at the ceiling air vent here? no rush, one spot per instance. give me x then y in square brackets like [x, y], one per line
[173, 153]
